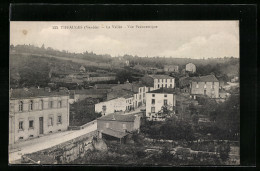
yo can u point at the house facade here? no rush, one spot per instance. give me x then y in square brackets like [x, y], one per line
[111, 106]
[118, 126]
[205, 85]
[156, 99]
[190, 67]
[36, 112]
[158, 81]
[171, 68]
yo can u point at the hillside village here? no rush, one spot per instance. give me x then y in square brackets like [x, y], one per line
[114, 109]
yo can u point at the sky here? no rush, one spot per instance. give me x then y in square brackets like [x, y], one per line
[180, 39]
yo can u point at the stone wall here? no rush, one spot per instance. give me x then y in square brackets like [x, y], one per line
[63, 153]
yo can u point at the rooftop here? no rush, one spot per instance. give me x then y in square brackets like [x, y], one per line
[161, 76]
[164, 91]
[118, 117]
[105, 86]
[114, 133]
[207, 78]
[34, 92]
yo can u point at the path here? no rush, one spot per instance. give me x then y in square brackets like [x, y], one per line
[47, 142]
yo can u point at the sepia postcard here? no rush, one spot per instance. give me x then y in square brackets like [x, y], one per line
[142, 93]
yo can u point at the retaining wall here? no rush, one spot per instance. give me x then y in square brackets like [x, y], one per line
[63, 153]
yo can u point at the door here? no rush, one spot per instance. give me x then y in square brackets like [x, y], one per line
[40, 125]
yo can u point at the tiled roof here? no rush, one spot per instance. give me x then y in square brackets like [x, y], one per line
[207, 78]
[90, 91]
[120, 93]
[34, 92]
[105, 86]
[164, 91]
[161, 76]
[114, 133]
[117, 117]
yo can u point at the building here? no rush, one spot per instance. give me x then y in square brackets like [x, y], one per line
[205, 85]
[156, 100]
[35, 112]
[158, 81]
[190, 67]
[171, 68]
[78, 95]
[118, 126]
[104, 86]
[111, 106]
[138, 90]
[82, 69]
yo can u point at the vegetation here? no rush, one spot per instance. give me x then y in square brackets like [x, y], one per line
[83, 112]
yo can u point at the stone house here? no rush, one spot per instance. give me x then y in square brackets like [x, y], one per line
[111, 106]
[156, 99]
[158, 81]
[205, 85]
[190, 67]
[35, 112]
[118, 126]
[171, 68]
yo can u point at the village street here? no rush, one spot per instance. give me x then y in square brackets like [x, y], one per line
[47, 141]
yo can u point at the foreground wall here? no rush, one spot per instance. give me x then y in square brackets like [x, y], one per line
[63, 153]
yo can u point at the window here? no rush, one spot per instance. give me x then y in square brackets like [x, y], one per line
[153, 109]
[41, 104]
[50, 104]
[165, 102]
[197, 85]
[21, 125]
[212, 85]
[107, 125]
[153, 101]
[31, 124]
[50, 121]
[170, 85]
[165, 95]
[166, 80]
[139, 96]
[59, 104]
[158, 85]
[153, 95]
[170, 80]
[158, 80]
[124, 126]
[143, 95]
[31, 105]
[59, 120]
[205, 85]
[20, 106]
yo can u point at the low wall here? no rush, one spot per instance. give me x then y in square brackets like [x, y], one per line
[82, 126]
[63, 153]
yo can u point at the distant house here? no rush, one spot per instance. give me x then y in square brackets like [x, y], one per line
[171, 68]
[205, 85]
[104, 86]
[37, 111]
[158, 81]
[118, 126]
[137, 88]
[111, 106]
[78, 95]
[82, 69]
[156, 100]
[190, 67]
